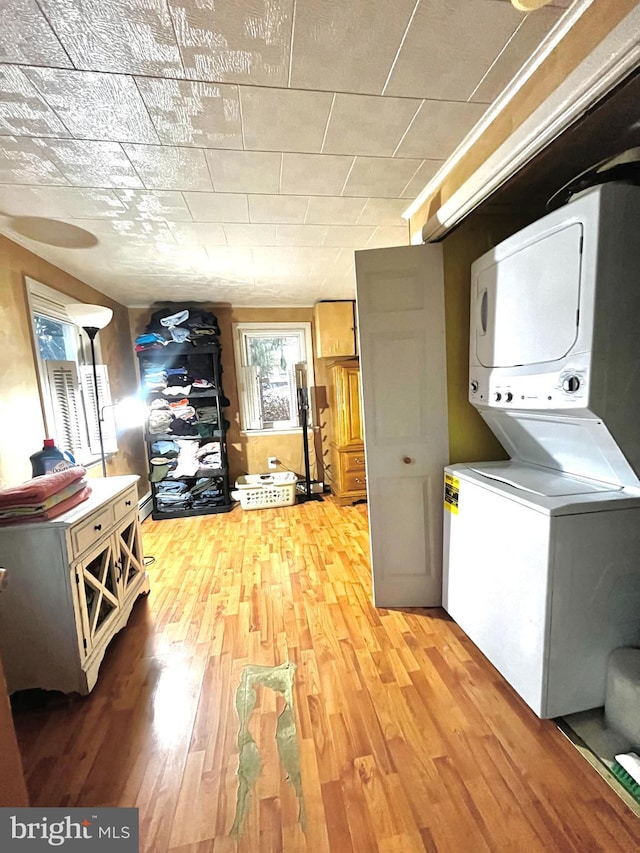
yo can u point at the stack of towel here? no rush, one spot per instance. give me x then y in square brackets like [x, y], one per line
[45, 497]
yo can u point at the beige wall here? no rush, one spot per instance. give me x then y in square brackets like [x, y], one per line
[21, 424]
[22, 427]
[248, 453]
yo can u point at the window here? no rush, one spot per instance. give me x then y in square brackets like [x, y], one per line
[66, 379]
[272, 367]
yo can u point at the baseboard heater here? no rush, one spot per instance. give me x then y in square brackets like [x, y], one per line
[145, 506]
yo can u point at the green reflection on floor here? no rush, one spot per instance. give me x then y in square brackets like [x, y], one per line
[280, 679]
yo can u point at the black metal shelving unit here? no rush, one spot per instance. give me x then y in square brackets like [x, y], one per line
[200, 362]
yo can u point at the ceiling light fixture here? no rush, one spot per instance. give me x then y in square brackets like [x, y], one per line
[529, 5]
[53, 232]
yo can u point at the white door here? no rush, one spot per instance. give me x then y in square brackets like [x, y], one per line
[400, 304]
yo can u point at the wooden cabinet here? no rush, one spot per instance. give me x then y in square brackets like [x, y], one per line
[73, 582]
[334, 327]
[349, 481]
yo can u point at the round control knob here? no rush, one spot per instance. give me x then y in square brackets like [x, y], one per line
[497, 396]
[571, 384]
[508, 397]
[474, 385]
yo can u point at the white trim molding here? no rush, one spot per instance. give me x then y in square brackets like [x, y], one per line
[608, 64]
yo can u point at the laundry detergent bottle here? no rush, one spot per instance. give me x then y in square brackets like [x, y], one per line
[50, 459]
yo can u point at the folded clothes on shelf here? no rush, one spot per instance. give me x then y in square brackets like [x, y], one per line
[203, 503]
[159, 421]
[173, 503]
[164, 319]
[204, 339]
[161, 467]
[165, 447]
[159, 403]
[207, 414]
[149, 340]
[176, 390]
[182, 409]
[210, 455]
[180, 336]
[179, 426]
[154, 380]
[172, 320]
[187, 460]
[205, 484]
[170, 487]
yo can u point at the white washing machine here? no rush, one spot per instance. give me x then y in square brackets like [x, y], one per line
[541, 571]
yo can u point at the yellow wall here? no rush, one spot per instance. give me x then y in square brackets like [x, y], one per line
[248, 453]
[22, 427]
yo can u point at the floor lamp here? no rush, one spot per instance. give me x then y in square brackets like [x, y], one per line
[92, 318]
[303, 411]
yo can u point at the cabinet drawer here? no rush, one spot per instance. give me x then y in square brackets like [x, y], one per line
[355, 481]
[89, 531]
[124, 503]
[352, 460]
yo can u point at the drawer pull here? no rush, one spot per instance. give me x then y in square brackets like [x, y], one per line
[127, 503]
[407, 460]
[358, 461]
[358, 480]
[97, 527]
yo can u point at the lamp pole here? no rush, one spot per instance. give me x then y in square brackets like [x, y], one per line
[92, 331]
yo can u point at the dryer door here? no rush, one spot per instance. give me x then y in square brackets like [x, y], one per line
[526, 304]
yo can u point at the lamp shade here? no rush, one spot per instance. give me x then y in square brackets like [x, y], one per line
[89, 316]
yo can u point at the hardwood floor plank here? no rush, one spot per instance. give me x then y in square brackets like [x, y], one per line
[408, 738]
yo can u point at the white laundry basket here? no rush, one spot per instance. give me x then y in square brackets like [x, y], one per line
[261, 491]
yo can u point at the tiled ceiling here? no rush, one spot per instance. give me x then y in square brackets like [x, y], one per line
[238, 150]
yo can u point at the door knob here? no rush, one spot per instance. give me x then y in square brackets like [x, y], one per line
[407, 460]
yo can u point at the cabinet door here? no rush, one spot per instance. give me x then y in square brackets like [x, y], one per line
[348, 410]
[129, 558]
[334, 329]
[400, 300]
[13, 791]
[97, 585]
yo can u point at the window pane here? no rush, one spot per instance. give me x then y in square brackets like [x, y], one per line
[276, 356]
[55, 339]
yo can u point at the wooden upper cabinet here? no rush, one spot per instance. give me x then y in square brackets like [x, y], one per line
[334, 325]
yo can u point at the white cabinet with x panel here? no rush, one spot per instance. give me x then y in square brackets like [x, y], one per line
[74, 581]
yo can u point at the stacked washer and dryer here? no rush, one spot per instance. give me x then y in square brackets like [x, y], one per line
[542, 552]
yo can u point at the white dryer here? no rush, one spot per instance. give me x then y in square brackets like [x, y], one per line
[554, 360]
[541, 571]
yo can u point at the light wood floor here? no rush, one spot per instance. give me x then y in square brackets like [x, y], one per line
[408, 739]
